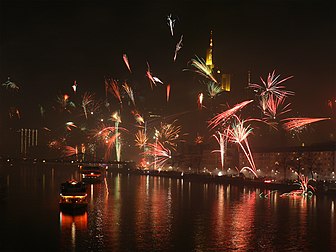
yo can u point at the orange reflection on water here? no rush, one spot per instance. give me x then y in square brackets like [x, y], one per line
[153, 222]
[243, 216]
[67, 221]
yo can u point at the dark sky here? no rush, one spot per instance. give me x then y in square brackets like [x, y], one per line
[46, 45]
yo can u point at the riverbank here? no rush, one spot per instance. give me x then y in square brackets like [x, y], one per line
[321, 187]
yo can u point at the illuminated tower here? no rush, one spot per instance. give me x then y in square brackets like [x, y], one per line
[223, 79]
[208, 58]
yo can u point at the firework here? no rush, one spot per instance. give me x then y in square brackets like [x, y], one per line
[297, 123]
[70, 151]
[74, 86]
[115, 89]
[159, 153]
[202, 68]
[156, 79]
[108, 135]
[305, 189]
[171, 24]
[169, 134]
[141, 139]
[178, 47]
[200, 100]
[86, 100]
[168, 92]
[64, 102]
[10, 84]
[222, 141]
[129, 91]
[238, 133]
[150, 77]
[126, 62]
[272, 86]
[274, 106]
[214, 89]
[199, 139]
[69, 125]
[138, 117]
[224, 116]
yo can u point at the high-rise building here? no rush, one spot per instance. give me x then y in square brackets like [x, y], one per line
[224, 79]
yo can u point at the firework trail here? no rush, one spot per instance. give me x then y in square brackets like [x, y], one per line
[171, 23]
[141, 139]
[126, 62]
[222, 141]
[202, 68]
[117, 119]
[86, 100]
[200, 101]
[214, 89]
[69, 125]
[156, 79]
[129, 91]
[150, 77]
[74, 86]
[296, 123]
[224, 116]
[42, 110]
[178, 47]
[272, 86]
[139, 119]
[115, 89]
[168, 92]
[10, 84]
[238, 133]
[159, 152]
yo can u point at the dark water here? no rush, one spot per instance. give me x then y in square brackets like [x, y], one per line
[142, 213]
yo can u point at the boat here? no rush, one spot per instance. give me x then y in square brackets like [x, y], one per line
[91, 173]
[73, 196]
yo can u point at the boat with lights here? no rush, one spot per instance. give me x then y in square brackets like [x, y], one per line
[91, 174]
[73, 196]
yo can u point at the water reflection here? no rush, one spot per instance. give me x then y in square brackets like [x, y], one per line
[144, 213]
[70, 225]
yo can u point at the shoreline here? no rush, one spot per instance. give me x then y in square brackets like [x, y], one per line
[322, 187]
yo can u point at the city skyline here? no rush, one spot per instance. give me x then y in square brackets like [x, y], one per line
[50, 46]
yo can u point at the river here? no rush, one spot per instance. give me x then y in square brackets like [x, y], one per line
[129, 212]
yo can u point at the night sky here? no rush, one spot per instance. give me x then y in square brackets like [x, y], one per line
[46, 45]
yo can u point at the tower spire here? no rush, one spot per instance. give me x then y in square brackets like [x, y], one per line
[208, 59]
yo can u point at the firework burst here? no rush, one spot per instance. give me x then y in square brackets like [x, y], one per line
[141, 139]
[272, 86]
[202, 68]
[160, 154]
[169, 134]
[214, 89]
